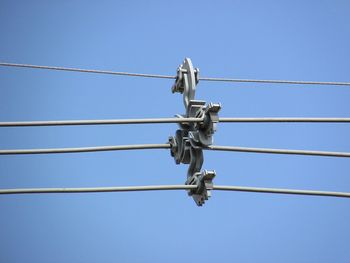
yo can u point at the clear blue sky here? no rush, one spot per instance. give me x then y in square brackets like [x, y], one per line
[297, 40]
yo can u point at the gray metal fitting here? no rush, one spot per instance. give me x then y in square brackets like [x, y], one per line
[180, 147]
[186, 81]
[188, 142]
[204, 183]
[207, 128]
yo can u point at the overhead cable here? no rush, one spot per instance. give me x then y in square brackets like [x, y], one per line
[85, 149]
[87, 70]
[96, 189]
[171, 187]
[165, 120]
[283, 119]
[280, 191]
[99, 122]
[168, 146]
[270, 81]
[276, 151]
[173, 77]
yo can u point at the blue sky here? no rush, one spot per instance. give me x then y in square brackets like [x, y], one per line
[296, 40]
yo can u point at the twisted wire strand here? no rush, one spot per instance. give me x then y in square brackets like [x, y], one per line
[293, 82]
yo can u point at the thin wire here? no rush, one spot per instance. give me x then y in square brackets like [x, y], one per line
[88, 71]
[174, 77]
[295, 82]
[162, 120]
[277, 151]
[284, 120]
[170, 187]
[96, 189]
[280, 191]
[168, 146]
[99, 122]
[86, 149]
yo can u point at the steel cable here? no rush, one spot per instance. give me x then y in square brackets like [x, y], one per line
[171, 187]
[98, 122]
[85, 149]
[166, 120]
[283, 119]
[277, 151]
[297, 82]
[270, 81]
[168, 146]
[87, 70]
[280, 191]
[96, 189]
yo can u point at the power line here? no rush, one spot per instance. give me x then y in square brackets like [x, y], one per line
[88, 71]
[171, 187]
[96, 189]
[187, 66]
[99, 122]
[86, 149]
[284, 120]
[168, 146]
[173, 77]
[164, 120]
[281, 191]
[277, 151]
[270, 81]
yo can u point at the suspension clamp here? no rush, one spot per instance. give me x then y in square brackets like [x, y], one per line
[204, 183]
[188, 143]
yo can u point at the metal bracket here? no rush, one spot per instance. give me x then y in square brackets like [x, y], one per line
[186, 80]
[207, 128]
[188, 142]
[204, 182]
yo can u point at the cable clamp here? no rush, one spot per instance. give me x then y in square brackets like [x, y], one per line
[204, 183]
[180, 82]
[187, 145]
[207, 128]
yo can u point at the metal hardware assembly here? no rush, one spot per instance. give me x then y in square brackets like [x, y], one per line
[204, 183]
[188, 143]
